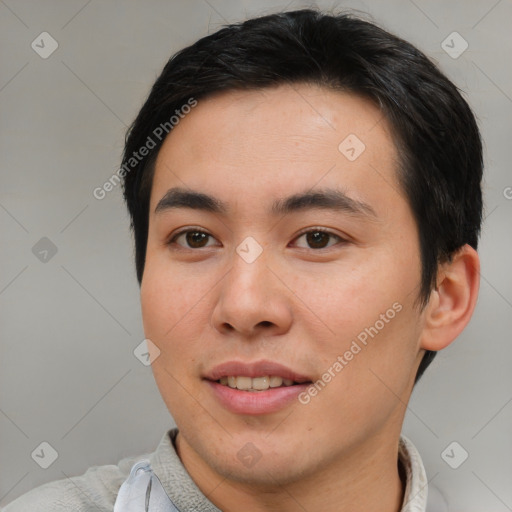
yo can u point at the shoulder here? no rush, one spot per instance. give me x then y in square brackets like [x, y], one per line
[94, 491]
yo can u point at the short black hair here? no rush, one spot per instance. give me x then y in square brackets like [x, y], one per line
[434, 129]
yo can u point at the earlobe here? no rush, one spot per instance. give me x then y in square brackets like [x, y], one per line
[452, 303]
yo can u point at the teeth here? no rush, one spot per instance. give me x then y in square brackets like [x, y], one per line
[275, 382]
[255, 384]
[244, 383]
[260, 383]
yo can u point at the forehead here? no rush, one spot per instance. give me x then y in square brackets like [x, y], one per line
[276, 140]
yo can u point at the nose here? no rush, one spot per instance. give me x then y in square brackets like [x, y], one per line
[252, 300]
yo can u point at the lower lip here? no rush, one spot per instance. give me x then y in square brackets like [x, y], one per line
[256, 402]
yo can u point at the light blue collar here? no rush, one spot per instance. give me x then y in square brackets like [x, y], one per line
[142, 491]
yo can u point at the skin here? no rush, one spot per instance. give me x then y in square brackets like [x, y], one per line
[296, 304]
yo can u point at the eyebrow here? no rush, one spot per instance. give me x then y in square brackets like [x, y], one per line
[327, 198]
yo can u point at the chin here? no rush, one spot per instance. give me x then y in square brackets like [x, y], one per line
[269, 471]
[259, 460]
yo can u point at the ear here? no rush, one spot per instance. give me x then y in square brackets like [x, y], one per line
[453, 301]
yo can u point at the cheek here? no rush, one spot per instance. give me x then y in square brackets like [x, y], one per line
[352, 294]
[371, 324]
[368, 373]
[169, 294]
[165, 301]
[176, 307]
[170, 306]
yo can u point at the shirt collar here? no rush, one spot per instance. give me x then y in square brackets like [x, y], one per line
[416, 486]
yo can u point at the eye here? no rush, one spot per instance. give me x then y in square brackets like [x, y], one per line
[318, 238]
[191, 239]
[197, 239]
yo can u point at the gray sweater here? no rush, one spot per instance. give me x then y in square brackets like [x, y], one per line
[96, 490]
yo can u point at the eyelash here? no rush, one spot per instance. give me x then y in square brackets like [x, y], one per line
[173, 239]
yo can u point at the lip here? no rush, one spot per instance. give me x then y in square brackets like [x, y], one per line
[254, 369]
[258, 402]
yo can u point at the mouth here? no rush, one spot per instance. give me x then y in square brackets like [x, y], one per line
[255, 388]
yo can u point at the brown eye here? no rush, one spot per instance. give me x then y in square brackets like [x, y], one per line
[319, 239]
[191, 239]
[196, 238]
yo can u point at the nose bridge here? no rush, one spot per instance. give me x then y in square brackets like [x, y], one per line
[249, 273]
[250, 295]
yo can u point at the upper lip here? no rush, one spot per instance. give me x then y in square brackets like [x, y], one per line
[254, 369]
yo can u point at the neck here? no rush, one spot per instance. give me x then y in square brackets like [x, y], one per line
[369, 478]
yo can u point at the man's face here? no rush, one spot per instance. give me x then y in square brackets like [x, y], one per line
[302, 286]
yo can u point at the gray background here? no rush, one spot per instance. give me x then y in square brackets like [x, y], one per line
[69, 325]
